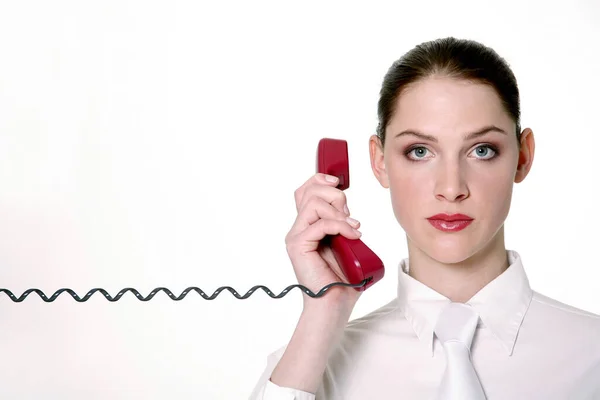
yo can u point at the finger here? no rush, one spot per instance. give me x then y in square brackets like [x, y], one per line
[317, 209]
[318, 178]
[308, 239]
[331, 195]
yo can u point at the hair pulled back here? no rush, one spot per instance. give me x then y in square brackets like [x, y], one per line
[454, 58]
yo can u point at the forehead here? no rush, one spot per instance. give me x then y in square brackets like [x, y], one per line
[442, 106]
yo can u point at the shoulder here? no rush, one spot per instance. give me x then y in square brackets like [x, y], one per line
[379, 316]
[556, 307]
[562, 321]
[370, 330]
[361, 326]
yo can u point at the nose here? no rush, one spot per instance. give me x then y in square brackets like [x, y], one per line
[451, 184]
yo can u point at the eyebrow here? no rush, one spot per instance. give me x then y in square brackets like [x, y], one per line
[468, 136]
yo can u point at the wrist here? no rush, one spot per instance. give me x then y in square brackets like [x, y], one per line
[332, 311]
[335, 301]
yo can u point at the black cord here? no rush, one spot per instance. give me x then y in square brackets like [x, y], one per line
[180, 297]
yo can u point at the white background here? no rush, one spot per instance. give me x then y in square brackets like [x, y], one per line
[155, 144]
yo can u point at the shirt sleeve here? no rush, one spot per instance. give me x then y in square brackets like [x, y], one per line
[271, 391]
[267, 390]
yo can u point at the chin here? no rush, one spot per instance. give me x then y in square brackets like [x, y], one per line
[445, 255]
[449, 249]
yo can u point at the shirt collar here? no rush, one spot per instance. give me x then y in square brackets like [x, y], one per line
[501, 304]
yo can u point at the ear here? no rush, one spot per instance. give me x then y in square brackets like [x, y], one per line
[525, 155]
[377, 161]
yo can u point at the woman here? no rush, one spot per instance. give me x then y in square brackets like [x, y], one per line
[449, 141]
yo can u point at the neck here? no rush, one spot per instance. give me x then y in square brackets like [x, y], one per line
[460, 281]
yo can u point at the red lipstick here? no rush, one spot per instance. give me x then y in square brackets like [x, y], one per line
[450, 222]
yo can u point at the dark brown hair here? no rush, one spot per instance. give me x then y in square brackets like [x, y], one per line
[455, 58]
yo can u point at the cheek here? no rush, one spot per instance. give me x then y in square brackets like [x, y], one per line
[408, 192]
[412, 190]
[496, 192]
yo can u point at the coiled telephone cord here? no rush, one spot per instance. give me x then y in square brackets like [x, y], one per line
[181, 296]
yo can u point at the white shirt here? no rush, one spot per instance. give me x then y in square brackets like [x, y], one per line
[526, 347]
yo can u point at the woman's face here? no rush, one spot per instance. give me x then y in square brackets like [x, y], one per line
[447, 173]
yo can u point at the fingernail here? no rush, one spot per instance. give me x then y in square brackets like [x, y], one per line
[330, 178]
[352, 221]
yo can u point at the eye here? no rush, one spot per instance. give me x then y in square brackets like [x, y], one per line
[419, 151]
[484, 152]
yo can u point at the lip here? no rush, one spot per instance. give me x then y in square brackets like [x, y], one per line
[449, 226]
[450, 222]
[450, 217]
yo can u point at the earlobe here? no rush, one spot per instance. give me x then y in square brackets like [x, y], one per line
[377, 161]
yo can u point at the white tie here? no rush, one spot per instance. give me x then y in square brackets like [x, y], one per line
[455, 328]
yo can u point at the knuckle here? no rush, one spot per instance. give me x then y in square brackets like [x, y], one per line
[328, 224]
[309, 204]
[289, 245]
[297, 195]
[313, 201]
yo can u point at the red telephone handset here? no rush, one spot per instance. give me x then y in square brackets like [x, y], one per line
[356, 260]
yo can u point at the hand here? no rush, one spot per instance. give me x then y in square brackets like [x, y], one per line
[322, 210]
